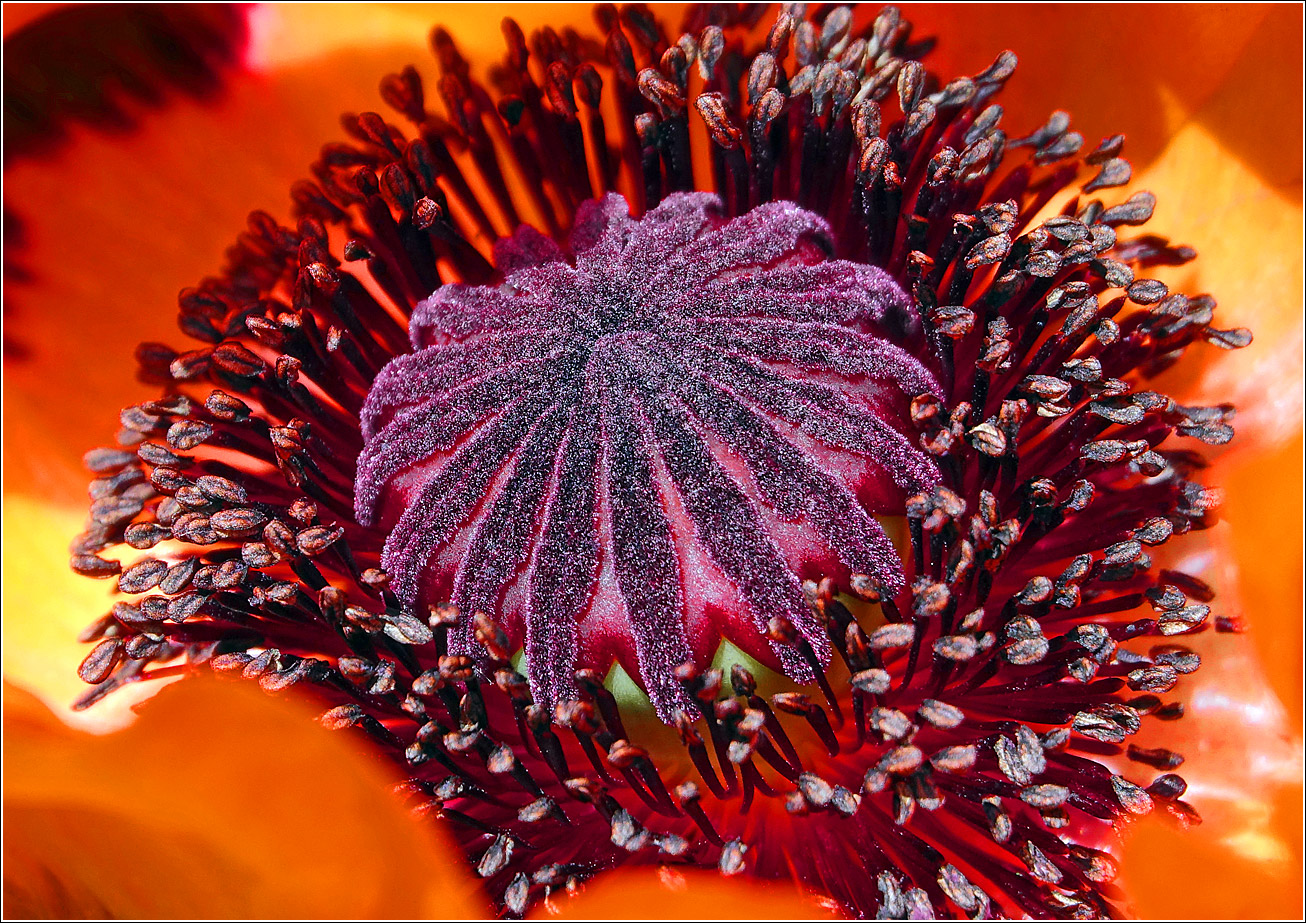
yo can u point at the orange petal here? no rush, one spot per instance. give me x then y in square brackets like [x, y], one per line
[46, 607]
[219, 802]
[1243, 769]
[1230, 182]
[1264, 509]
[670, 893]
[1196, 874]
[1242, 734]
[1108, 65]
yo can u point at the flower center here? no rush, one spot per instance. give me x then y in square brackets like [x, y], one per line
[636, 449]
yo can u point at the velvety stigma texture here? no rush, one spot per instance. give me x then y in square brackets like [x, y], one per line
[637, 449]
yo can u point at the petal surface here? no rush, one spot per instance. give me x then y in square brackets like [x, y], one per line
[219, 802]
[678, 895]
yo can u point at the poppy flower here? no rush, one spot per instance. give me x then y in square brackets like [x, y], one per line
[886, 317]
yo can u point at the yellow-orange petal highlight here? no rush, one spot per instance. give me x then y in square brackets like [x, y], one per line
[287, 34]
[46, 607]
[220, 802]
